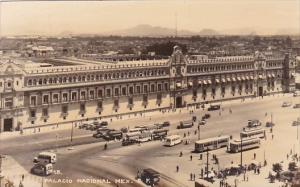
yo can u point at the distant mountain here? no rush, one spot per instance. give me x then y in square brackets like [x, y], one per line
[148, 30]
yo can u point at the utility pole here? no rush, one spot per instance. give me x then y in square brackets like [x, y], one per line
[241, 150]
[199, 132]
[207, 163]
[72, 129]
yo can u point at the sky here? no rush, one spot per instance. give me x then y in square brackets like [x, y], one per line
[79, 17]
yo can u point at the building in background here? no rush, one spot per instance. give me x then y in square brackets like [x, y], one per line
[71, 89]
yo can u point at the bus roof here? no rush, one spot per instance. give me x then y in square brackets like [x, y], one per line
[245, 140]
[47, 153]
[212, 139]
[246, 130]
[133, 133]
[172, 136]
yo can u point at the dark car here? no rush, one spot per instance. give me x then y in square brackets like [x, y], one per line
[164, 124]
[206, 116]
[112, 135]
[83, 126]
[214, 107]
[97, 135]
[150, 176]
[104, 123]
[185, 124]
[159, 134]
[126, 142]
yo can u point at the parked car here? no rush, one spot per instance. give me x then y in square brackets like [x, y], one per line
[162, 125]
[286, 104]
[214, 107]
[83, 126]
[296, 106]
[253, 123]
[126, 142]
[150, 176]
[113, 134]
[104, 123]
[97, 135]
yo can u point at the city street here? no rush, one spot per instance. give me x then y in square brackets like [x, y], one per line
[89, 160]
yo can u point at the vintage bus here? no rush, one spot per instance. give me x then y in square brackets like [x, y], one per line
[246, 144]
[172, 140]
[253, 133]
[211, 143]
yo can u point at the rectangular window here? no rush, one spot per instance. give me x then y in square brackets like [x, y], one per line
[45, 112]
[33, 100]
[152, 88]
[223, 90]
[213, 91]
[204, 92]
[130, 101]
[116, 91]
[82, 95]
[138, 89]
[92, 94]
[74, 96]
[65, 97]
[55, 98]
[159, 87]
[116, 103]
[233, 89]
[145, 98]
[124, 91]
[32, 113]
[159, 97]
[130, 90]
[100, 104]
[108, 93]
[45, 99]
[145, 88]
[100, 93]
[194, 93]
[82, 107]
[8, 102]
[166, 86]
[64, 109]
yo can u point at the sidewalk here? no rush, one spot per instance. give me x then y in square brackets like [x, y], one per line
[12, 171]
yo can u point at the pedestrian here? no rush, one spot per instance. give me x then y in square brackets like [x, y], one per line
[272, 136]
[191, 157]
[195, 132]
[177, 168]
[105, 146]
[23, 177]
[254, 156]
[188, 133]
[202, 173]
[258, 171]
[221, 183]
[184, 135]
[200, 157]
[180, 155]
[191, 176]
[194, 176]
[287, 156]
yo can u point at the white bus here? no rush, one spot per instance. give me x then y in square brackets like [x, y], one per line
[46, 158]
[253, 133]
[211, 143]
[246, 143]
[132, 135]
[173, 140]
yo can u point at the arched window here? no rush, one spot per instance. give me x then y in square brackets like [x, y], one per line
[45, 81]
[29, 82]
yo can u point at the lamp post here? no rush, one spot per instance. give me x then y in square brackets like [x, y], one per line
[198, 132]
[241, 150]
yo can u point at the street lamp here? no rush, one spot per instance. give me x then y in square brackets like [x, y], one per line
[241, 150]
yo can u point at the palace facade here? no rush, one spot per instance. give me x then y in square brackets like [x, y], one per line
[70, 90]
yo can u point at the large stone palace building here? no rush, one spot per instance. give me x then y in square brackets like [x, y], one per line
[69, 90]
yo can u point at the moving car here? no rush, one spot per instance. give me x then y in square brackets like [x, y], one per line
[150, 176]
[286, 104]
[253, 123]
[162, 125]
[42, 169]
[214, 107]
